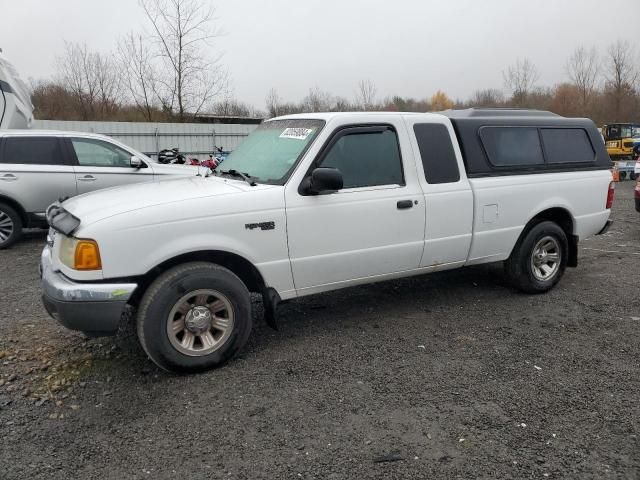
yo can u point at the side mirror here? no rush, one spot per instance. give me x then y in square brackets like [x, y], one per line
[324, 180]
[137, 163]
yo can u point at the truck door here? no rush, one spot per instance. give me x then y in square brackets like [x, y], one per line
[447, 194]
[374, 225]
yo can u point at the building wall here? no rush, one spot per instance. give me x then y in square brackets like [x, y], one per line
[193, 139]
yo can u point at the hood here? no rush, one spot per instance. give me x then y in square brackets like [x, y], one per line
[101, 204]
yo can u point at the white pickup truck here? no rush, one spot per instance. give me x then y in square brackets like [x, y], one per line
[316, 202]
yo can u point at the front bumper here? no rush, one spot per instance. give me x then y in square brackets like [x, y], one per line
[92, 308]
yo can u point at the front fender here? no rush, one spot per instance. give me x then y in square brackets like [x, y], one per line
[153, 245]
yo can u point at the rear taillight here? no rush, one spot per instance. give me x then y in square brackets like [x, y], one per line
[610, 195]
[637, 191]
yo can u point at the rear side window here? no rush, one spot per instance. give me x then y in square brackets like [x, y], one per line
[512, 146]
[567, 145]
[436, 150]
[32, 151]
[367, 159]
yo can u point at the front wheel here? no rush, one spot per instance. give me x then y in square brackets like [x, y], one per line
[194, 317]
[539, 259]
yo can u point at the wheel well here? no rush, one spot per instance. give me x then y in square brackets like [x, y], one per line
[242, 267]
[17, 207]
[563, 218]
[557, 215]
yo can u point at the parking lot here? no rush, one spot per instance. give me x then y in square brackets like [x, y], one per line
[451, 375]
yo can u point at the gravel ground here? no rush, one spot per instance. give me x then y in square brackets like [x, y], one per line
[451, 375]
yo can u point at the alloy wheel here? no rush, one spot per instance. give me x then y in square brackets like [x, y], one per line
[545, 258]
[6, 227]
[200, 322]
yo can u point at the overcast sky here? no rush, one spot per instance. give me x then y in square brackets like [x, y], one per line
[406, 47]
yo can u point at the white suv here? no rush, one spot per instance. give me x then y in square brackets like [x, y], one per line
[39, 167]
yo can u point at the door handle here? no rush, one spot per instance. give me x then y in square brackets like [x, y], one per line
[9, 177]
[87, 178]
[404, 204]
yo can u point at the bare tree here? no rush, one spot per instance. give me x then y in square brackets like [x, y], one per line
[489, 97]
[92, 79]
[341, 104]
[621, 73]
[138, 73]
[108, 82]
[273, 102]
[231, 107]
[582, 68]
[75, 74]
[318, 101]
[520, 79]
[366, 94]
[182, 30]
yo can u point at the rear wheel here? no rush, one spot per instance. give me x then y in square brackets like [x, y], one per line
[194, 317]
[539, 258]
[633, 176]
[10, 226]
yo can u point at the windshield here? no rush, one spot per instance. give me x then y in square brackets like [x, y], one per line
[617, 132]
[272, 150]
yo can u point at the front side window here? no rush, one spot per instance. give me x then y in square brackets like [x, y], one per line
[366, 159]
[270, 152]
[32, 151]
[512, 146]
[97, 153]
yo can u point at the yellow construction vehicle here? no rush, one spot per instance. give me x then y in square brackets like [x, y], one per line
[620, 139]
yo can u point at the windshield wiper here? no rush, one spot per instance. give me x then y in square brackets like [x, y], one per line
[234, 173]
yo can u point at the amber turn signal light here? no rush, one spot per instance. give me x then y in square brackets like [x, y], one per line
[87, 256]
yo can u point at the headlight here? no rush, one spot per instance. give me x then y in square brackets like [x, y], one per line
[79, 253]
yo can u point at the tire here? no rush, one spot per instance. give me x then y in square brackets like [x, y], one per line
[528, 273]
[174, 327]
[623, 175]
[10, 226]
[633, 176]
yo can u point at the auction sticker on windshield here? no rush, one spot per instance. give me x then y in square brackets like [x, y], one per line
[297, 133]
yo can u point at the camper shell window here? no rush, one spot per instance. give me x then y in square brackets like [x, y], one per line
[498, 142]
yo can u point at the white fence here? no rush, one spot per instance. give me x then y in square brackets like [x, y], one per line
[193, 139]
